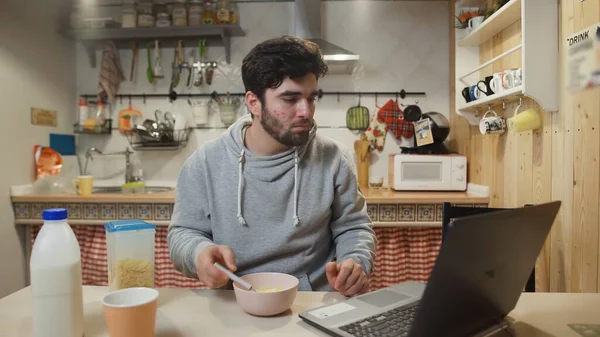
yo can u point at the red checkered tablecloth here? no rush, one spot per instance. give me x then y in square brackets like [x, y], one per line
[402, 254]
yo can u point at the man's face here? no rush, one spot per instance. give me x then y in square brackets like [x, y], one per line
[287, 114]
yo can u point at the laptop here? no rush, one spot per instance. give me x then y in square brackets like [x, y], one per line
[478, 277]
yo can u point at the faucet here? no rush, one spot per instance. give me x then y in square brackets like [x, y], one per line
[129, 177]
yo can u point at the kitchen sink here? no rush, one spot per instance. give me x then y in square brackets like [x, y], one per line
[118, 189]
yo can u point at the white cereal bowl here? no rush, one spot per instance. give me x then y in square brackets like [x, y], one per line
[267, 303]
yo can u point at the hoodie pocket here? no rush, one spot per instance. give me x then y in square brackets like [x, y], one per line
[304, 283]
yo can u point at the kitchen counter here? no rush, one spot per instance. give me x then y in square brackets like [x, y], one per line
[386, 208]
[383, 195]
[407, 225]
[183, 312]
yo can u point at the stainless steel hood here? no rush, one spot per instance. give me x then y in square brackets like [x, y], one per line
[307, 25]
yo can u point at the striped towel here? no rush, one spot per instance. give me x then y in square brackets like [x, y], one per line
[111, 74]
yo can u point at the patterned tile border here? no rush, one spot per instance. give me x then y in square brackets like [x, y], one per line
[388, 213]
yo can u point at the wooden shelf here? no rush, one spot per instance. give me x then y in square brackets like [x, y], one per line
[539, 57]
[499, 21]
[92, 38]
[470, 3]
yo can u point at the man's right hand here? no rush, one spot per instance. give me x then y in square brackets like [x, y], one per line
[205, 265]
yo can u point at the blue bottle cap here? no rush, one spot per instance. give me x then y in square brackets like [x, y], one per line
[54, 214]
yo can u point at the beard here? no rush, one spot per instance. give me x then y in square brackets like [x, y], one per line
[287, 137]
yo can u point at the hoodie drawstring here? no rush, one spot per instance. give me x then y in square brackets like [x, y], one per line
[241, 219]
[296, 219]
[241, 160]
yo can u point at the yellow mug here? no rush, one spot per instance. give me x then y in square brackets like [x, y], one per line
[83, 185]
[524, 121]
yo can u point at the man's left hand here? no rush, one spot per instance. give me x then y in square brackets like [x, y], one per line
[347, 277]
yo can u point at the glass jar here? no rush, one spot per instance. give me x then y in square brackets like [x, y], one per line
[160, 8]
[195, 13]
[163, 20]
[233, 12]
[208, 15]
[223, 12]
[179, 15]
[128, 16]
[145, 17]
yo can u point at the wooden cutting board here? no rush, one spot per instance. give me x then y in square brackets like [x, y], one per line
[361, 148]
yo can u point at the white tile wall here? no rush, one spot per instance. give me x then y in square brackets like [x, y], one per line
[403, 45]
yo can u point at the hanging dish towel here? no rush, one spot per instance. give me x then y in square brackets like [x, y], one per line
[375, 134]
[392, 116]
[111, 74]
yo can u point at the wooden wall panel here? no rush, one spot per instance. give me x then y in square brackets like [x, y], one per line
[557, 162]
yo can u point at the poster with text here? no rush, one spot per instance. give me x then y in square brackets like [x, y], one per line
[583, 59]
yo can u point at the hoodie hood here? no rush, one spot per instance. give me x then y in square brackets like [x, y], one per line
[264, 168]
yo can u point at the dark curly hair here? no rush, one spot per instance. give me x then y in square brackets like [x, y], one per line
[269, 62]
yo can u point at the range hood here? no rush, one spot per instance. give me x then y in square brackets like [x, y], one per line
[307, 25]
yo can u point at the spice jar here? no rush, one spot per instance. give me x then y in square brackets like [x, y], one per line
[233, 12]
[179, 15]
[223, 12]
[145, 17]
[128, 16]
[208, 15]
[195, 13]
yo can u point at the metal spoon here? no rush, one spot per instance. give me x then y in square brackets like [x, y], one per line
[234, 277]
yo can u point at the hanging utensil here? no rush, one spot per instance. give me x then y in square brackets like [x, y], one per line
[214, 95]
[133, 59]
[158, 71]
[175, 74]
[357, 117]
[210, 70]
[183, 65]
[149, 71]
[199, 66]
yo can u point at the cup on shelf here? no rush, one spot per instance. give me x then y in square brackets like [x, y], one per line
[475, 22]
[496, 83]
[486, 85]
[508, 79]
[517, 76]
[475, 93]
[466, 93]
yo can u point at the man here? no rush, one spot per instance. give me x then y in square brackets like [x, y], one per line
[270, 194]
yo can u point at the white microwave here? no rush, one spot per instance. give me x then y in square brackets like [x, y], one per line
[417, 172]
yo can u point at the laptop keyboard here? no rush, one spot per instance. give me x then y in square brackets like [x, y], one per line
[394, 323]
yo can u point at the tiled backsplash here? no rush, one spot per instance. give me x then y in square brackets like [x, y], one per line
[402, 45]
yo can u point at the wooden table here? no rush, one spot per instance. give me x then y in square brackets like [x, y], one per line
[184, 313]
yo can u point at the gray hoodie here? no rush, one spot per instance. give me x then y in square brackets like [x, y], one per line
[290, 213]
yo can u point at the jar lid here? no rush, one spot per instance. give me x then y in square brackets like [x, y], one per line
[54, 214]
[127, 225]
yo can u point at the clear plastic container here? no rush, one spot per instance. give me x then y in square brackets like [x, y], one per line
[130, 250]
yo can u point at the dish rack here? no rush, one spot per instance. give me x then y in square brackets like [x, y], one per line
[169, 141]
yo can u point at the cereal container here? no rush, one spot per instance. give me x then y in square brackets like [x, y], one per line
[130, 250]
